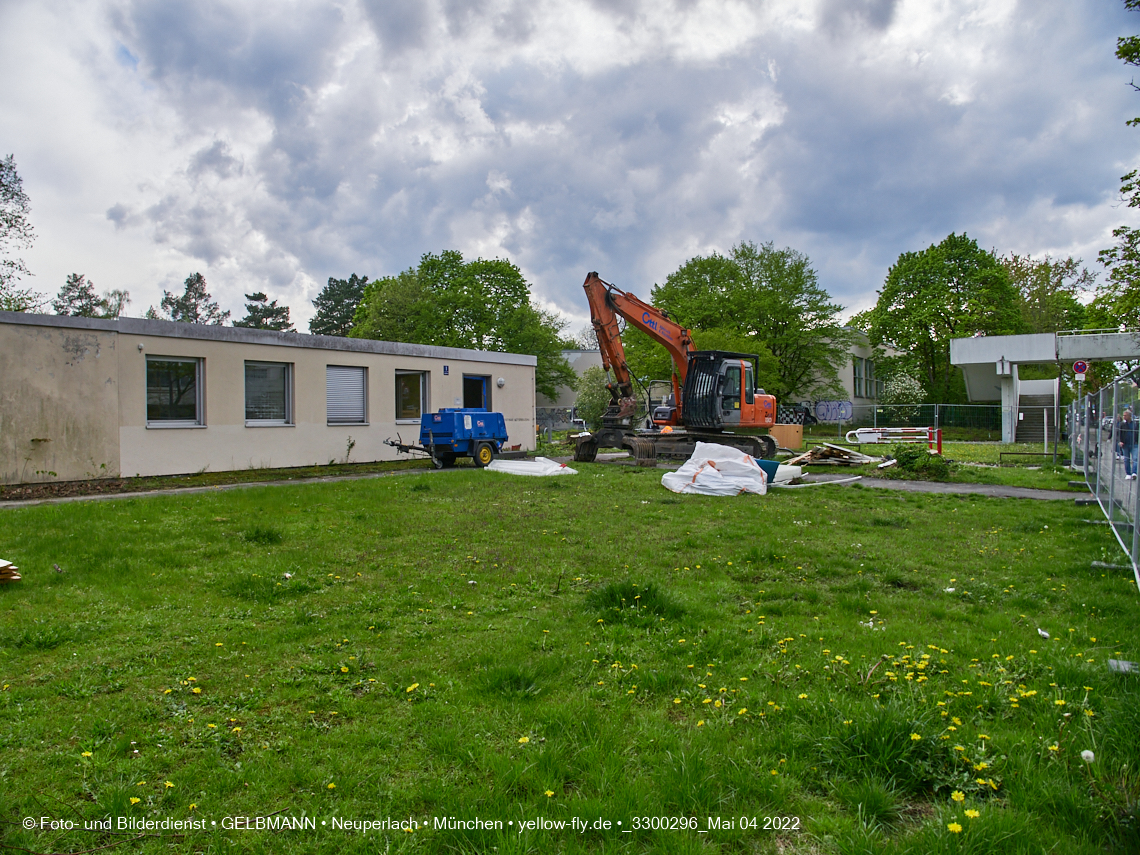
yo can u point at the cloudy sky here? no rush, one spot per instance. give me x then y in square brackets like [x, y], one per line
[271, 146]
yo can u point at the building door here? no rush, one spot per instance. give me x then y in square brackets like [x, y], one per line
[476, 391]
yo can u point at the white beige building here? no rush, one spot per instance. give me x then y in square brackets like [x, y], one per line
[88, 398]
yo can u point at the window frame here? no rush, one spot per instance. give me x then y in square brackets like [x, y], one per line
[199, 420]
[363, 369]
[425, 391]
[290, 418]
[858, 378]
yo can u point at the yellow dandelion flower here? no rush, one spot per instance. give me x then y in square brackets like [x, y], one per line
[742, 711]
[972, 814]
[412, 687]
[196, 690]
[915, 737]
[701, 723]
[954, 827]
[168, 785]
[135, 800]
[193, 806]
[523, 740]
[549, 793]
[86, 754]
[958, 796]
[332, 786]
[344, 669]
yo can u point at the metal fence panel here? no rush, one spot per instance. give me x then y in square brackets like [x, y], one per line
[1098, 449]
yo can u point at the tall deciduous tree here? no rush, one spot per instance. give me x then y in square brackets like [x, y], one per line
[481, 304]
[952, 290]
[16, 233]
[261, 313]
[336, 305]
[769, 301]
[1119, 299]
[1049, 291]
[194, 306]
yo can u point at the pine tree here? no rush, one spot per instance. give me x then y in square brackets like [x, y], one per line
[193, 307]
[263, 314]
[336, 305]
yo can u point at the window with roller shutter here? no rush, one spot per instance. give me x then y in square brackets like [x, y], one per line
[345, 394]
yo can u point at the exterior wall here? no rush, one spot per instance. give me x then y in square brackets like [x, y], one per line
[89, 377]
[579, 360]
[859, 349]
[58, 403]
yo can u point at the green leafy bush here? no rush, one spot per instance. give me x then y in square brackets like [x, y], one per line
[917, 459]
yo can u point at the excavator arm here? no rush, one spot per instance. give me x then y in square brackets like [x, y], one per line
[607, 302]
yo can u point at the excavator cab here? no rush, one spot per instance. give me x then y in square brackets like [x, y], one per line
[720, 392]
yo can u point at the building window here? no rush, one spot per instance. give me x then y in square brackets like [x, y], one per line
[268, 393]
[411, 395]
[173, 392]
[857, 362]
[345, 395]
[874, 387]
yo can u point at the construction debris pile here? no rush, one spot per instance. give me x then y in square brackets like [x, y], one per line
[834, 455]
[8, 572]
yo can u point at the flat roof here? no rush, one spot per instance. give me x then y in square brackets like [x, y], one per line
[241, 335]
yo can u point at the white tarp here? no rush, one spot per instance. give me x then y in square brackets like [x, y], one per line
[539, 466]
[717, 470]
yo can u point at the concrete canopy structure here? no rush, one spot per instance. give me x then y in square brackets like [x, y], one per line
[989, 365]
[85, 398]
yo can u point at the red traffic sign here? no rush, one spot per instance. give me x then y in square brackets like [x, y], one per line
[1080, 367]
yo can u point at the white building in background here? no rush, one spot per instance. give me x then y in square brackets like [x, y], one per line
[84, 398]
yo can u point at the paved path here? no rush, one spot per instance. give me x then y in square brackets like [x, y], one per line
[183, 491]
[994, 490]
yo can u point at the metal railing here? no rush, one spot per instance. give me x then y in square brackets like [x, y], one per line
[1095, 434]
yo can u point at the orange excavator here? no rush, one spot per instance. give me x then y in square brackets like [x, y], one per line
[714, 391]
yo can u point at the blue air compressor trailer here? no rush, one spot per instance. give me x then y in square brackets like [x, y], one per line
[455, 432]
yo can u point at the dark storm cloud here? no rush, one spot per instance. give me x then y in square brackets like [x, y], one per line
[838, 16]
[399, 24]
[623, 137]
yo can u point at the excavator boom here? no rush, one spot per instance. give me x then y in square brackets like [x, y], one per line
[713, 391]
[607, 302]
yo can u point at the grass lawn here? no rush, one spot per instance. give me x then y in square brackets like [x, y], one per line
[826, 670]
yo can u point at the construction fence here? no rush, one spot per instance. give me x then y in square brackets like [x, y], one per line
[1095, 435]
[983, 420]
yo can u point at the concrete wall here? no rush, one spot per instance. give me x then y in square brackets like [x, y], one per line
[81, 384]
[58, 402]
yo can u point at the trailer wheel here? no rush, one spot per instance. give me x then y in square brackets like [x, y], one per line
[484, 454]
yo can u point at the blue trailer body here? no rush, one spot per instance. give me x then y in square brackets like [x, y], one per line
[463, 432]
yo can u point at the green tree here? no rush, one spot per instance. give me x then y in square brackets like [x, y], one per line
[1119, 299]
[194, 306]
[767, 298]
[952, 290]
[1049, 290]
[15, 233]
[336, 305]
[263, 314]
[592, 397]
[481, 304]
[77, 298]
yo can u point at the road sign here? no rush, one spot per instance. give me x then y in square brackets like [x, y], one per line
[1080, 367]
